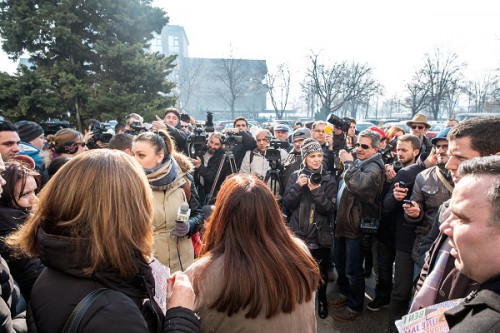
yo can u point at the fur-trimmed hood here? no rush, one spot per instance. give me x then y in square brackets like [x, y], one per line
[183, 161]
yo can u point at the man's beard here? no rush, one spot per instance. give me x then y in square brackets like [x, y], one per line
[211, 151]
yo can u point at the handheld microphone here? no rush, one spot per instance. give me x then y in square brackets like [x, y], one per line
[183, 213]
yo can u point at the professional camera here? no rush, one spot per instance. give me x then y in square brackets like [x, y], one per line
[314, 177]
[341, 124]
[397, 165]
[369, 225]
[387, 151]
[100, 133]
[230, 139]
[198, 141]
[273, 153]
[52, 126]
[136, 128]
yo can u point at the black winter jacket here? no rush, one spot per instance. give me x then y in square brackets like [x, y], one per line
[24, 270]
[299, 202]
[11, 319]
[129, 307]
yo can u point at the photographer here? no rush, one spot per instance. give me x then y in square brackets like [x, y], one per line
[171, 122]
[206, 166]
[310, 197]
[97, 134]
[134, 119]
[281, 133]
[255, 162]
[294, 159]
[247, 140]
[358, 199]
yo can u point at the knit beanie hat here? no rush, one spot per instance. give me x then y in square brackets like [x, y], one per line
[310, 146]
[28, 130]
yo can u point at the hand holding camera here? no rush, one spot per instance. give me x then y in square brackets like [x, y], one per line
[302, 180]
[345, 156]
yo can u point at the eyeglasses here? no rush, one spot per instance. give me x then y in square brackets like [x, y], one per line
[420, 127]
[362, 145]
[445, 147]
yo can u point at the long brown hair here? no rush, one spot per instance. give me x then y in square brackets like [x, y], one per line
[101, 196]
[263, 263]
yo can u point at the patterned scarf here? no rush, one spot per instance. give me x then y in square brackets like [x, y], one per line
[163, 174]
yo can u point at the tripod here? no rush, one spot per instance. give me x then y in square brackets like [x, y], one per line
[273, 177]
[229, 156]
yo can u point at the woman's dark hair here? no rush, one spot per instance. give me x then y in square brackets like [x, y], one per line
[266, 269]
[56, 165]
[15, 171]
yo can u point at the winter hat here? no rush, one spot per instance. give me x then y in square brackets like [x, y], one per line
[281, 127]
[301, 133]
[442, 135]
[378, 130]
[28, 130]
[310, 146]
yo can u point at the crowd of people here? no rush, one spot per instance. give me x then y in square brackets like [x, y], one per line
[172, 227]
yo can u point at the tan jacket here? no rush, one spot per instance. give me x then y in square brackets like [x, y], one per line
[302, 320]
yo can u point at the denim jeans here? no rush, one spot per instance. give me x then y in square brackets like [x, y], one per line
[348, 258]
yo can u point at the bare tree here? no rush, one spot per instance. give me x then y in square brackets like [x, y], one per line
[339, 84]
[236, 78]
[417, 94]
[278, 87]
[481, 91]
[187, 75]
[442, 75]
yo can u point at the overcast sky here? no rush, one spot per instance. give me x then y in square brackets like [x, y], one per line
[392, 36]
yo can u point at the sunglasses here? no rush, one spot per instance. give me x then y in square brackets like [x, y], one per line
[445, 147]
[362, 145]
[184, 126]
[81, 144]
[420, 127]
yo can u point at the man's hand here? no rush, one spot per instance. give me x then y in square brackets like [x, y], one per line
[399, 192]
[344, 156]
[158, 124]
[389, 173]
[412, 210]
[196, 162]
[329, 141]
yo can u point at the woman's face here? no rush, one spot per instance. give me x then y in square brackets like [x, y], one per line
[27, 198]
[82, 146]
[144, 152]
[314, 160]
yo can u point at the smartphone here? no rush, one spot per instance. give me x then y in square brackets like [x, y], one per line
[408, 202]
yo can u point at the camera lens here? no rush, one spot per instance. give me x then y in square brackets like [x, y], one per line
[316, 178]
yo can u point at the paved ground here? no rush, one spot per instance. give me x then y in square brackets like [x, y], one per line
[371, 322]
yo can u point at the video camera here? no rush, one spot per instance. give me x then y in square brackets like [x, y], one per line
[100, 133]
[230, 139]
[136, 127]
[53, 126]
[342, 124]
[198, 141]
[273, 153]
[387, 151]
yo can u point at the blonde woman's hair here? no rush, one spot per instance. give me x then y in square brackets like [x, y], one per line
[103, 197]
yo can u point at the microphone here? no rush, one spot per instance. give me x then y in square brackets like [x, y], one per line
[181, 221]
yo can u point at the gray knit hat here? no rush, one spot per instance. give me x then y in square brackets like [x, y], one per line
[28, 130]
[310, 146]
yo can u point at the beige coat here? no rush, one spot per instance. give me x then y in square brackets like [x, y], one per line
[166, 203]
[302, 320]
